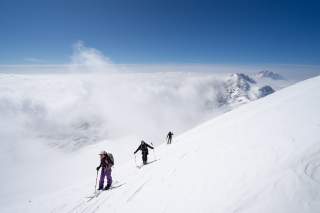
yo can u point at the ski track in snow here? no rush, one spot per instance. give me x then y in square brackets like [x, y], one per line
[134, 184]
[136, 191]
[312, 167]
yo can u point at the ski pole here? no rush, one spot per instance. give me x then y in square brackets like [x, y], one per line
[95, 187]
[135, 160]
[154, 155]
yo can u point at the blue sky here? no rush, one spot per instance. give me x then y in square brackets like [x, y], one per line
[155, 32]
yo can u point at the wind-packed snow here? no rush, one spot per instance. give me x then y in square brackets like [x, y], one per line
[261, 157]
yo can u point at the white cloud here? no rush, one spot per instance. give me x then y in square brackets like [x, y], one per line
[89, 59]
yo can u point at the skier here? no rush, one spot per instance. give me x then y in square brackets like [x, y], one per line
[144, 149]
[169, 137]
[106, 162]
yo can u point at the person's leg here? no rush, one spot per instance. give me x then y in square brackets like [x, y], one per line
[102, 176]
[109, 178]
[144, 158]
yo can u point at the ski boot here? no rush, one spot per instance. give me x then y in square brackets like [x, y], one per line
[107, 187]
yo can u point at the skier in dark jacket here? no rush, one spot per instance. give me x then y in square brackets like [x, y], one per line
[169, 137]
[105, 163]
[144, 149]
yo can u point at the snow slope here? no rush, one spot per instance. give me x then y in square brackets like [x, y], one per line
[261, 157]
[47, 118]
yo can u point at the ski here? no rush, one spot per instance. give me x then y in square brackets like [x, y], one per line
[142, 165]
[98, 192]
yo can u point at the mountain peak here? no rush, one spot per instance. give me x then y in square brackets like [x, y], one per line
[269, 74]
[242, 77]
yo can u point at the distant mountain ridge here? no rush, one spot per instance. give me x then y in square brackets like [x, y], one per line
[242, 88]
[269, 74]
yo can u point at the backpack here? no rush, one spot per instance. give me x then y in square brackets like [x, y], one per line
[111, 158]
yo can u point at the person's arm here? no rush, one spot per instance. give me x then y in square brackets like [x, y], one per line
[99, 166]
[137, 149]
[149, 146]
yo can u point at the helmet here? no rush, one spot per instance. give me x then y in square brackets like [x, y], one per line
[103, 153]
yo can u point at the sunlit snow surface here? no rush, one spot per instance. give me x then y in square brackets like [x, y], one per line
[53, 125]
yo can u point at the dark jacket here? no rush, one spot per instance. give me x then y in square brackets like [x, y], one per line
[144, 148]
[105, 162]
[170, 134]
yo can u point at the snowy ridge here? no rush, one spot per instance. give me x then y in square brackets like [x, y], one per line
[241, 89]
[261, 157]
[269, 74]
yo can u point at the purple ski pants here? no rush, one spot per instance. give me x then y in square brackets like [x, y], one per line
[105, 172]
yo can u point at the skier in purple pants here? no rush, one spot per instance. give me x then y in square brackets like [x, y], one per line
[106, 162]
